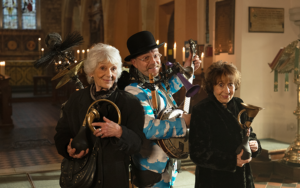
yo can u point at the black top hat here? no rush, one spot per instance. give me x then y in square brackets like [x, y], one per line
[141, 43]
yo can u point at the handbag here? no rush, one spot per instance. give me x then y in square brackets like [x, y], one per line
[78, 173]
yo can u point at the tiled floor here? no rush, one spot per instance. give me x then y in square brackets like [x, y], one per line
[274, 181]
[30, 142]
[264, 180]
[29, 146]
[29, 157]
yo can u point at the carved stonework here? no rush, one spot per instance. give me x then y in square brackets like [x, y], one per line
[19, 44]
[96, 22]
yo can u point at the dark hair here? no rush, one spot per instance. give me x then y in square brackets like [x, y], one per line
[216, 71]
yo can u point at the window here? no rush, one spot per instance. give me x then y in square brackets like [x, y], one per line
[18, 14]
[10, 14]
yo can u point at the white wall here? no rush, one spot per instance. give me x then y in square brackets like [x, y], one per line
[252, 53]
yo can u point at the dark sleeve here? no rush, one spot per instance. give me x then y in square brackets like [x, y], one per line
[203, 151]
[131, 139]
[253, 137]
[63, 132]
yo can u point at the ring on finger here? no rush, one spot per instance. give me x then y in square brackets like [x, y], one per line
[99, 129]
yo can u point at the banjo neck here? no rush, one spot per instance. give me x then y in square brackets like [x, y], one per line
[187, 100]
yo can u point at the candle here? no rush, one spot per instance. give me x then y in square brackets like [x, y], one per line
[157, 42]
[183, 54]
[59, 62]
[174, 51]
[39, 46]
[83, 51]
[2, 68]
[78, 54]
[202, 63]
[165, 50]
[42, 51]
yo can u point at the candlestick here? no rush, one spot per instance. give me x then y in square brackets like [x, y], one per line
[2, 68]
[157, 42]
[83, 51]
[78, 51]
[165, 50]
[39, 46]
[174, 51]
[183, 54]
[202, 63]
[42, 52]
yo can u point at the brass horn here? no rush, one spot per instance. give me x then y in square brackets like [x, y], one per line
[187, 71]
[252, 111]
[191, 90]
[80, 141]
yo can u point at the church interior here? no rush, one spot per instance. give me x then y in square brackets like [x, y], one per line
[259, 37]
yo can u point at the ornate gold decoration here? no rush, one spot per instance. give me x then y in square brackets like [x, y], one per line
[30, 45]
[12, 45]
[292, 154]
[21, 72]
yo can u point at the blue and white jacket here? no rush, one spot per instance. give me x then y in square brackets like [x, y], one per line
[151, 156]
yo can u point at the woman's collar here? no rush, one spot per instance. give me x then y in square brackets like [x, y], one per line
[103, 94]
[213, 97]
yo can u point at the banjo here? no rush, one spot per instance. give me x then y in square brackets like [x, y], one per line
[178, 147]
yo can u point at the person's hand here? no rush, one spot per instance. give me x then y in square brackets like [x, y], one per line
[107, 129]
[240, 162]
[187, 119]
[253, 145]
[72, 151]
[196, 61]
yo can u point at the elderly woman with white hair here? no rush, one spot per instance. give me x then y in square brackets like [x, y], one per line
[103, 67]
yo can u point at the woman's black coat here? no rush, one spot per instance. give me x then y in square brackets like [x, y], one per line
[214, 136]
[113, 157]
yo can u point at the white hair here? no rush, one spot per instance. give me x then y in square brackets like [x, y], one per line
[102, 53]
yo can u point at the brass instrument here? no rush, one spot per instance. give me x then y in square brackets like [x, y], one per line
[252, 111]
[80, 141]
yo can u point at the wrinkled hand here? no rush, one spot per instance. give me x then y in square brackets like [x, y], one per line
[196, 61]
[253, 145]
[72, 151]
[240, 162]
[187, 119]
[108, 129]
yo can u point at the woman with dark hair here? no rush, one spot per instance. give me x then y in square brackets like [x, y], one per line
[215, 133]
[116, 142]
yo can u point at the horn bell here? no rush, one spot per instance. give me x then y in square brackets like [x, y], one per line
[251, 111]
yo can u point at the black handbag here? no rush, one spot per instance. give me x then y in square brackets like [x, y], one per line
[78, 173]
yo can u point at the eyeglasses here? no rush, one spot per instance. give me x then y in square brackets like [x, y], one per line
[147, 59]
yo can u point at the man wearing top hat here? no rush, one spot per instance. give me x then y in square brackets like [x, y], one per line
[151, 166]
